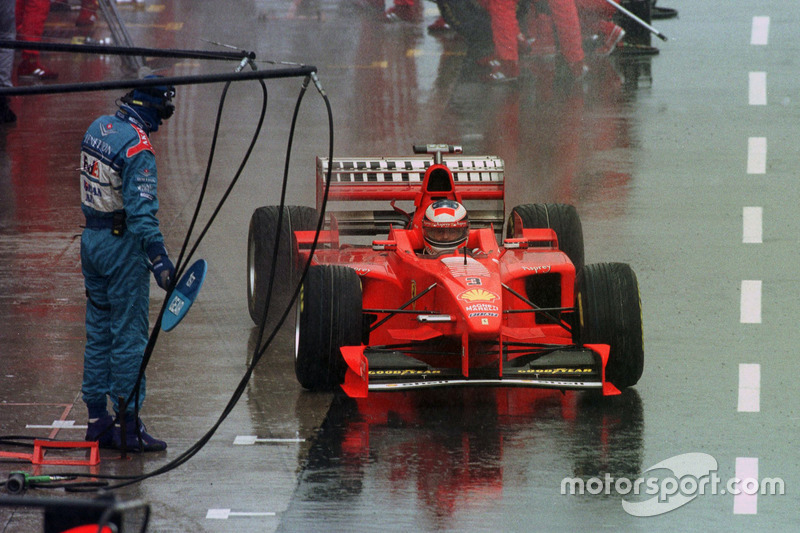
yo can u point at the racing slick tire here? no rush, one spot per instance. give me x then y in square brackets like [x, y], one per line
[261, 244]
[562, 218]
[610, 312]
[329, 316]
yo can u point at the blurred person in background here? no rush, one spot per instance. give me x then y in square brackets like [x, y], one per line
[7, 32]
[31, 15]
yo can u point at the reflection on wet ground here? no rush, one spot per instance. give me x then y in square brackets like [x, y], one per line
[459, 459]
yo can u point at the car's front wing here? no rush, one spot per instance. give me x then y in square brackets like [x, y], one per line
[563, 367]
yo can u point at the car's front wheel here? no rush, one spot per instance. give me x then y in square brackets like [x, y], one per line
[329, 316]
[610, 312]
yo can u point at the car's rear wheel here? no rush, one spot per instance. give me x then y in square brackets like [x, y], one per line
[610, 312]
[329, 316]
[262, 241]
[562, 218]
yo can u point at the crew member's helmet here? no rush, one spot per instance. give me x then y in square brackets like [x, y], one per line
[445, 226]
[154, 103]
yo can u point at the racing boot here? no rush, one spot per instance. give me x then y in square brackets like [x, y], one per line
[439, 26]
[136, 438]
[404, 11]
[101, 430]
[30, 68]
[501, 71]
[88, 13]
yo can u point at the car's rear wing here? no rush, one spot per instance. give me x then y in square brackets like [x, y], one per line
[399, 178]
[362, 179]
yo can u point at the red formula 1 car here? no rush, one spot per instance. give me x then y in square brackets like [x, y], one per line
[398, 313]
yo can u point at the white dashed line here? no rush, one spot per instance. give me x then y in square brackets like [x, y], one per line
[747, 472]
[224, 514]
[752, 225]
[751, 302]
[249, 440]
[749, 388]
[757, 155]
[746, 501]
[760, 32]
[758, 88]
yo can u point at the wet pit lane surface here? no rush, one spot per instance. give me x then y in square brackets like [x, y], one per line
[461, 460]
[660, 154]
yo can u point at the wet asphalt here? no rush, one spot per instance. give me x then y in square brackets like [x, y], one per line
[682, 164]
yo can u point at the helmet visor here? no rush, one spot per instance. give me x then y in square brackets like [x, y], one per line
[448, 233]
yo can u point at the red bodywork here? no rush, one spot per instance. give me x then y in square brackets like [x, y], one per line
[461, 318]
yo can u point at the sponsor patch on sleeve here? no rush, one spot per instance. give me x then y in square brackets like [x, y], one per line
[142, 145]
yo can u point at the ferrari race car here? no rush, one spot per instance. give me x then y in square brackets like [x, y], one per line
[397, 313]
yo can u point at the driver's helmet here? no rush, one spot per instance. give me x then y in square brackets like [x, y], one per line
[445, 226]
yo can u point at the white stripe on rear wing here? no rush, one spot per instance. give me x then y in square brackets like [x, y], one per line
[409, 169]
[377, 178]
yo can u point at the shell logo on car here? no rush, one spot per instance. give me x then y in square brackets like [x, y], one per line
[478, 295]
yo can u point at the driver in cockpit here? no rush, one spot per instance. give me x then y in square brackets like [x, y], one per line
[445, 227]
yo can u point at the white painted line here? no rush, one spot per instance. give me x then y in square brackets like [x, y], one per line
[752, 225]
[747, 472]
[758, 88]
[751, 302]
[760, 32]
[749, 388]
[757, 155]
[224, 514]
[57, 424]
[249, 440]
